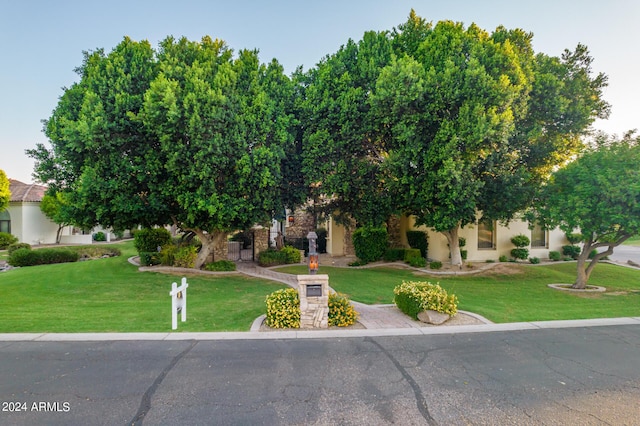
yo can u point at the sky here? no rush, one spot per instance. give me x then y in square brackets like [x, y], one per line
[42, 43]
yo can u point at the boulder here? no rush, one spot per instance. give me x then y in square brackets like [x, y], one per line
[432, 317]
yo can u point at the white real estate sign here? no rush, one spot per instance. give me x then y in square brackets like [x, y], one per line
[178, 302]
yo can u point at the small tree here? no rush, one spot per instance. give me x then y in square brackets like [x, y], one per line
[598, 195]
[5, 194]
[56, 207]
[521, 242]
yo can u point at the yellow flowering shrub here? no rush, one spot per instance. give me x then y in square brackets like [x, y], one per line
[413, 297]
[283, 309]
[341, 312]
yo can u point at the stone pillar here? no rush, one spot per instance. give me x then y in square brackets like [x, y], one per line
[313, 291]
[260, 241]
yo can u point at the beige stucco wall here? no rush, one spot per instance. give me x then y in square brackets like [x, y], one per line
[335, 239]
[439, 249]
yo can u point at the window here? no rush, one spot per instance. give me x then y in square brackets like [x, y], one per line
[539, 237]
[486, 234]
[5, 222]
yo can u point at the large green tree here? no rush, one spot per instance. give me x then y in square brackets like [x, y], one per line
[188, 134]
[341, 156]
[597, 195]
[5, 194]
[468, 122]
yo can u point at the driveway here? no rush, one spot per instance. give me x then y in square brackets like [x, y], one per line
[624, 254]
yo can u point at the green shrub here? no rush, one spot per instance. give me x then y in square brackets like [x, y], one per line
[95, 252]
[149, 239]
[99, 236]
[291, 254]
[418, 240]
[283, 309]
[555, 256]
[520, 253]
[28, 257]
[273, 257]
[412, 253]
[503, 258]
[221, 266]
[370, 243]
[463, 254]
[168, 254]
[6, 240]
[418, 262]
[413, 297]
[490, 261]
[16, 246]
[436, 264]
[394, 253]
[149, 258]
[534, 260]
[186, 257]
[520, 240]
[341, 311]
[358, 263]
[571, 251]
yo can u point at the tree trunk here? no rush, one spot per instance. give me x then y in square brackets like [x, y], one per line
[454, 246]
[209, 243]
[59, 234]
[585, 272]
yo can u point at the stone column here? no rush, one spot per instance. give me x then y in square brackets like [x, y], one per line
[313, 291]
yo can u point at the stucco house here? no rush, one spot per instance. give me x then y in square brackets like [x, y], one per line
[23, 217]
[484, 241]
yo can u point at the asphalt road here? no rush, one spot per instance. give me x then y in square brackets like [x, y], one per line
[572, 376]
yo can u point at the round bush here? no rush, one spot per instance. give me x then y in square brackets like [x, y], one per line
[341, 312]
[99, 236]
[520, 241]
[283, 309]
[413, 297]
[6, 240]
[520, 253]
[555, 256]
[16, 246]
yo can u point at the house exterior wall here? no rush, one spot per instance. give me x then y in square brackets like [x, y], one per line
[335, 239]
[30, 225]
[439, 248]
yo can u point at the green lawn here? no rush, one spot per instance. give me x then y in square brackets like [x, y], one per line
[110, 295]
[523, 296]
[633, 241]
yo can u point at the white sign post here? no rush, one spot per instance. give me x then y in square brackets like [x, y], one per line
[178, 302]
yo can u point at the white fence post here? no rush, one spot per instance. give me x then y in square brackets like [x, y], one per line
[178, 302]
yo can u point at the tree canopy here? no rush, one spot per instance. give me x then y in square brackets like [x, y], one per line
[189, 135]
[597, 196]
[5, 193]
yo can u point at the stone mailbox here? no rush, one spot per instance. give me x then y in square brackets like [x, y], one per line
[313, 291]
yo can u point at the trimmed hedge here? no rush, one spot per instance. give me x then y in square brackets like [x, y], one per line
[394, 253]
[273, 257]
[418, 240]
[370, 243]
[149, 239]
[555, 256]
[28, 257]
[571, 251]
[16, 246]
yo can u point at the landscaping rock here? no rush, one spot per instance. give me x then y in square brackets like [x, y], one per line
[433, 317]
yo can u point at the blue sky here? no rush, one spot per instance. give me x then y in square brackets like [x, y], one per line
[42, 42]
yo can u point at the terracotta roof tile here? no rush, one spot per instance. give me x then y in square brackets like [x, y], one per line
[26, 192]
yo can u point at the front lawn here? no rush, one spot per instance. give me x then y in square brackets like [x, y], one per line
[110, 295]
[519, 295]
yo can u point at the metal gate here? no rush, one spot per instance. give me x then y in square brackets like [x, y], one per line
[243, 249]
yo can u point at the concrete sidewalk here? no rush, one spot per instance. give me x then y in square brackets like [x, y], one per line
[317, 334]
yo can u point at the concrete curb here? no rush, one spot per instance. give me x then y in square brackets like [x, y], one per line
[316, 334]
